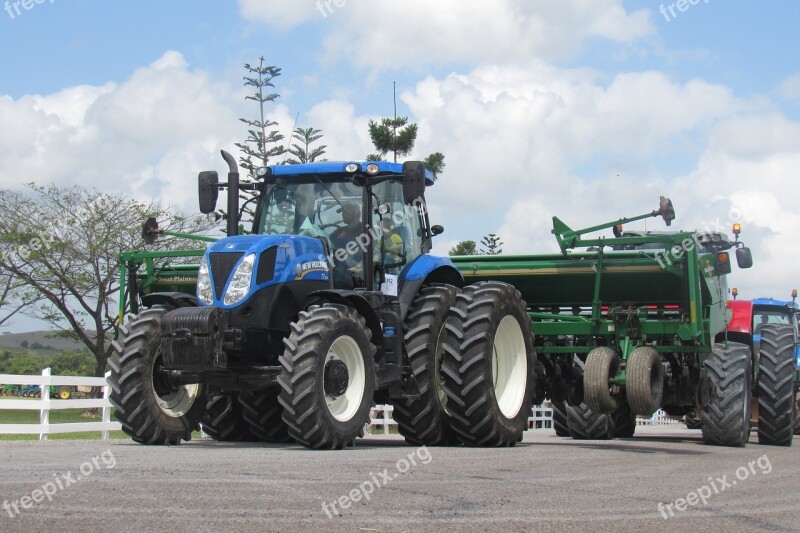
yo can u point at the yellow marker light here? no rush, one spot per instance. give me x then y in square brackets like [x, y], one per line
[373, 169]
[794, 293]
[735, 291]
[737, 229]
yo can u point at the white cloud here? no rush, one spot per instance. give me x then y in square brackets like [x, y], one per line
[379, 34]
[790, 88]
[148, 135]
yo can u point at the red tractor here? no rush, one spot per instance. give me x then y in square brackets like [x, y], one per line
[770, 328]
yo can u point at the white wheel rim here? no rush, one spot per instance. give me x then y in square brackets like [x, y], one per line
[509, 366]
[176, 403]
[346, 350]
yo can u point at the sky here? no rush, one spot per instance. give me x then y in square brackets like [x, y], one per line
[584, 109]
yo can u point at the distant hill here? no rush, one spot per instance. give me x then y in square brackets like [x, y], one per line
[42, 338]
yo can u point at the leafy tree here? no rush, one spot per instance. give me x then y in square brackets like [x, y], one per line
[72, 363]
[24, 344]
[394, 135]
[464, 248]
[435, 163]
[14, 297]
[260, 145]
[491, 245]
[397, 136]
[303, 153]
[65, 243]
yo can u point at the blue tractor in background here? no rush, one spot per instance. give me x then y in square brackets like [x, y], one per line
[333, 303]
[770, 327]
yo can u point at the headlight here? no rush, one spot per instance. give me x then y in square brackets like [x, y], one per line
[240, 282]
[204, 292]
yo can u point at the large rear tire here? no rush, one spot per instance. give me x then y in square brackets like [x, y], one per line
[424, 420]
[644, 381]
[264, 414]
[223, 420]
[585, 424]
[488, 367]
[725, 395]
[776, 390]
[150, 408]
[560, 419]
[624, 419]
[328, 377]
[602, 364]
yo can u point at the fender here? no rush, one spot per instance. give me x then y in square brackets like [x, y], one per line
[358, 302]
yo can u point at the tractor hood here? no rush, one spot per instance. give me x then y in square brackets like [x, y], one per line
[245, 264]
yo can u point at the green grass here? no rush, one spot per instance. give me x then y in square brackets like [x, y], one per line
[60, 416]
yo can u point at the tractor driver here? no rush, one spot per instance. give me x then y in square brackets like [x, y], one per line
[347, 250]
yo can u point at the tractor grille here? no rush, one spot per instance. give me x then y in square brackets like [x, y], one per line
[221, 267]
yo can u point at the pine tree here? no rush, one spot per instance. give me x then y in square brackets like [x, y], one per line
[303, 153]
[491, 245]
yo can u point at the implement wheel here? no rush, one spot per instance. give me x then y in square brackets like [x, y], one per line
[776, 390]
[424, 420]
[151, 409]
[488, 367]
[602, 365]
[725, 395]
[645, 381]
[328, 377]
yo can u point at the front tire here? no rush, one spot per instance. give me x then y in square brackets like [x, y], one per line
[328, 377]
[424, 420]
[150, 408]
[488, 366]
[223, 420]
[560, 419]
[725, 395]
[776, 390]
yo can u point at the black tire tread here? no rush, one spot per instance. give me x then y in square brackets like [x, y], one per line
[423, 420]
[466, 374]
[560, 419]
[776, 389]
[585, 424]
[726, 395]
[128, 363]
[264, 415]
[223, 420]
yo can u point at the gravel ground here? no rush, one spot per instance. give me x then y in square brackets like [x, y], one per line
[544, 483]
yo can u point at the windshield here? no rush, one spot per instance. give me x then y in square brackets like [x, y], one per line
[311, 209]
[762, 317]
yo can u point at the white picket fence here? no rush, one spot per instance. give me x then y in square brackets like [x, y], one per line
[45, 404]
[380, 415]
[541, 418]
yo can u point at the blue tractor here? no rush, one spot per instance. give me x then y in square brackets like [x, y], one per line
[333, 303]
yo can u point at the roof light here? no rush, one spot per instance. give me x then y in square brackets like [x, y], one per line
[737, 229]
[373, 169]
[351, 167]
[794, 293]
[262, 171]
[735, 292]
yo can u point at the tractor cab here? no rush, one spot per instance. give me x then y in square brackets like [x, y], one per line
[370, 221]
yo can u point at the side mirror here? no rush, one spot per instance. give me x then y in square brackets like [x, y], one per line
[208, 191]
[437, 230]
[413, 181]
[743, 257]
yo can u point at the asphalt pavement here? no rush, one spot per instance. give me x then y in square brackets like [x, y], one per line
[664, 479]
